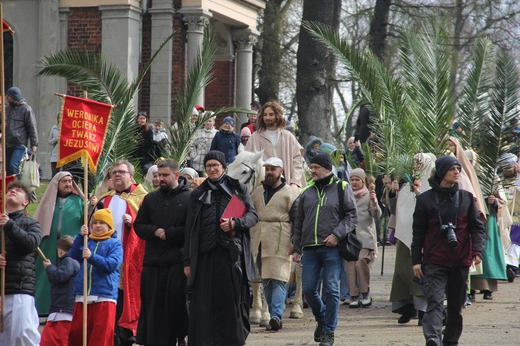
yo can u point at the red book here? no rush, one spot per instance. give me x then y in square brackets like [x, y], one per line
[235, 208]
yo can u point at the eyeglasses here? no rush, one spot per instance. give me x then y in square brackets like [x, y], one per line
[119, 172]
[213, 166]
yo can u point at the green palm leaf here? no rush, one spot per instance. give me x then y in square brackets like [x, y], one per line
[475, 96]
[104, 82]
[427, 68]
[503, 112]
[198, 78]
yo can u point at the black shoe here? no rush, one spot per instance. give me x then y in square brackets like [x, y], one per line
[488, 295]
[181, 342]
[327, 340]
[318, 332]
[407, 315]
[510, 275]
[432, 342]
[421, 315]
[275, 324]
[471, 296]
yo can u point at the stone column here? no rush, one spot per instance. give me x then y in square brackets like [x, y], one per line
[120, 25]
[48, 105]
[161, 70]
[64, 34]
[196, 19]
[244, 40]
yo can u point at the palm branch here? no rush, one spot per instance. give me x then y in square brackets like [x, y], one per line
[475, 96]
[104, 82]
[502, 112]
[427, 70]
[198, 78]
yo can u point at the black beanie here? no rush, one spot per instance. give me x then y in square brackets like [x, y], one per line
[216, 155]
[324, 160]
[443, 164]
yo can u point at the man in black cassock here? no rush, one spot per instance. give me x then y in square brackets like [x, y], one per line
[161, 223]
[218, 259]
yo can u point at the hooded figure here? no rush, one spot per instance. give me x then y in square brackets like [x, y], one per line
[312, 148]
[60, 213]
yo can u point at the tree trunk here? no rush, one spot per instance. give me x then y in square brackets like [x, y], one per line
[271, 52]
[316, 71]
[379, 28]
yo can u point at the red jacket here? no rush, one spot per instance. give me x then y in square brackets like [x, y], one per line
[470, 230]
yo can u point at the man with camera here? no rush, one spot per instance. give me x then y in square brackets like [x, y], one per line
[448, 237]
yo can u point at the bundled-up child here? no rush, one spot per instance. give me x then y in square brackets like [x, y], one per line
[104, 256]
[358, 273]
[160, 137]
[61, 277]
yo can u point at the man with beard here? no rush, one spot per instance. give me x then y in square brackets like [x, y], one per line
[318, 229]
[124, 201]
[160, 223]
[276, 204]
[272, 137]
[20, 128]
[60, 213]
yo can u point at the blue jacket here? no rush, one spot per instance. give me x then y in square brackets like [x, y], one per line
[226, 142]
[102, 266]
[62, 279]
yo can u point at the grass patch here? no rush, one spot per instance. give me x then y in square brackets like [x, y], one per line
[31, 208]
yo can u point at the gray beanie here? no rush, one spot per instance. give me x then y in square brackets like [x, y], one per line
[15, 93]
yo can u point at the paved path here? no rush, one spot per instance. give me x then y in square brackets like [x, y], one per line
[495, 322]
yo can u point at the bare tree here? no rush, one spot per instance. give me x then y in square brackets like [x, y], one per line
[316, 71]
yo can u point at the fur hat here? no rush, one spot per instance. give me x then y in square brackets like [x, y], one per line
[216, 155]
[104, 215]
[358, 172]
[324, 160]
[15, 93]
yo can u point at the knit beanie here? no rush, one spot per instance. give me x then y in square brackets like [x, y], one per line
[443, 164]
[327, 148]
[246, 132]
[324, 160]
[15, 93]
[358, 172]
[104, 215]
[230, 121]
[215, 155]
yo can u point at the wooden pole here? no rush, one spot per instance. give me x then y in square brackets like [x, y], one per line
[85, 243]
[41, 254]
[2, 100]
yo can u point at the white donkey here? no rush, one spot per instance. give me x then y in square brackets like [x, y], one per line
[248, 169]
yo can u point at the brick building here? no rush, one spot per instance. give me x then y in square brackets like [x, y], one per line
[128, 32]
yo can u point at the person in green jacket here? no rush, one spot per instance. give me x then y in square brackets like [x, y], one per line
[60, 213]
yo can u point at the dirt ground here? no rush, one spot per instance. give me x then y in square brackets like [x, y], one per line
[495, 322]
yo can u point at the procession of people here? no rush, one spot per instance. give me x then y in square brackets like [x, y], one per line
[171, 261]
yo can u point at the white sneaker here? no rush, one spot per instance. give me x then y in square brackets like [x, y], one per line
[367, 300]
[354, 302]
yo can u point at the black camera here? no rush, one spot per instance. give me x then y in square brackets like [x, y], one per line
[449, 232]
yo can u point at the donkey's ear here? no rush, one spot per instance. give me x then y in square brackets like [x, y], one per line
[257, 156]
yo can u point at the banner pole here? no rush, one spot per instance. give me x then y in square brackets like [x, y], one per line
[85, 240]
[2, 100]
[85, 246]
